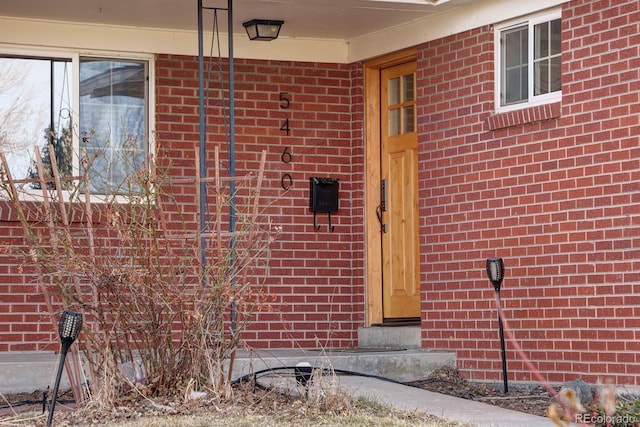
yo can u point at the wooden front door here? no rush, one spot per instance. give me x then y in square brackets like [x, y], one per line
[398, 209]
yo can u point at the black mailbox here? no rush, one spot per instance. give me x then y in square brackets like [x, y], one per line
[323, 197]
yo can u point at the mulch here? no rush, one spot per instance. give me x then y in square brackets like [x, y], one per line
[531, 399]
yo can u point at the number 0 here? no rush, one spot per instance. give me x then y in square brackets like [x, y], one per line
[286, 182]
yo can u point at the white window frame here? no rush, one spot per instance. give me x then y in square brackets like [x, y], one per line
[75, 56]
[530, 21]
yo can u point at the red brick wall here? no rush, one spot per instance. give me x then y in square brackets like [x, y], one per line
[311, 275]
[24, 323]
[553, 190]
[558, 199]
[314, 282]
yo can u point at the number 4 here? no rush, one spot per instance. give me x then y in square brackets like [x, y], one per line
[285, 126]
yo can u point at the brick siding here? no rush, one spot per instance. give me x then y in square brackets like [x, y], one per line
[555, 194]
[315, 296]
[554, 190]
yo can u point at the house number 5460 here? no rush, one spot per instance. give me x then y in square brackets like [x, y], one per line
[287, 180]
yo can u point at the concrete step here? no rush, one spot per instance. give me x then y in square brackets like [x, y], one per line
[393, 337]
[30, 371]
[399, 365]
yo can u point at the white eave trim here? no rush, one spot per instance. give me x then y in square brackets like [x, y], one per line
[88, 37]
[78, 36]
[474, 15]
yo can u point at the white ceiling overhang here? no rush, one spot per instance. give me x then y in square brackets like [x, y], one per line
[340, 31]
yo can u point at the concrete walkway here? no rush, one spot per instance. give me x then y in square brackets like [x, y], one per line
[440, 405]
[466, 412]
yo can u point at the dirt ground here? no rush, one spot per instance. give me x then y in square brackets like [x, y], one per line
[533, 400]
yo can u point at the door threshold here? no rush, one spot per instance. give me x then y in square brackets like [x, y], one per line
[404, 321]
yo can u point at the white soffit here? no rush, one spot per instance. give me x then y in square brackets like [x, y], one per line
[457, 16]
[463, 18]
[91, 38]
[431, 2]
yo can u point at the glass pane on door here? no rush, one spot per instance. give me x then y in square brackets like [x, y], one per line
[394, 91]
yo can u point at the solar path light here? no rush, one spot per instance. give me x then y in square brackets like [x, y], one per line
[303, 371]
[495, 271]
[69, 329]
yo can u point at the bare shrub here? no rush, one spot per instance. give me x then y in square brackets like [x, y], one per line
[157, 318]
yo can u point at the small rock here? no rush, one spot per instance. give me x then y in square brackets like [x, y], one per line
[197, 395]
[577, 392]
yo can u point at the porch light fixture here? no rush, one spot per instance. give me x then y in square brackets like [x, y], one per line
[263, 29]
[68, 328]
[495, 271]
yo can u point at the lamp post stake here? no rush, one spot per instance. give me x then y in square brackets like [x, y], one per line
[503, 351]
[69, 328]
[495, 271]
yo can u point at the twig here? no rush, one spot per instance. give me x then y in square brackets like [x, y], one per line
[73, 376]
[199, 214]
[92, 245]
[8, 403]
[216, 169]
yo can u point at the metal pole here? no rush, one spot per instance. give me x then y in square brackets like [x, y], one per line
[232, 156]
[51, 102]
[203, 151]
[232, 148]
[52, 404]
[502, 346]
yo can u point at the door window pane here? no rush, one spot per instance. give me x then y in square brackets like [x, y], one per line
[394, 91]
[394, 122]
[408, 88]
[408, 119]
[401, 104]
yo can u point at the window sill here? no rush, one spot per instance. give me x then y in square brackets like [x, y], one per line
[536, 113]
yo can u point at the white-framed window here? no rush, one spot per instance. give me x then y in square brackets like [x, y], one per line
[528, 61]
[98, 105]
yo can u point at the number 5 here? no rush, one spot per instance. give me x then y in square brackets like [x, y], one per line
[284, 101]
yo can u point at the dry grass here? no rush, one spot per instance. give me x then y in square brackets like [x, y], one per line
[323, 403]
[270, 410]
[262, 420]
